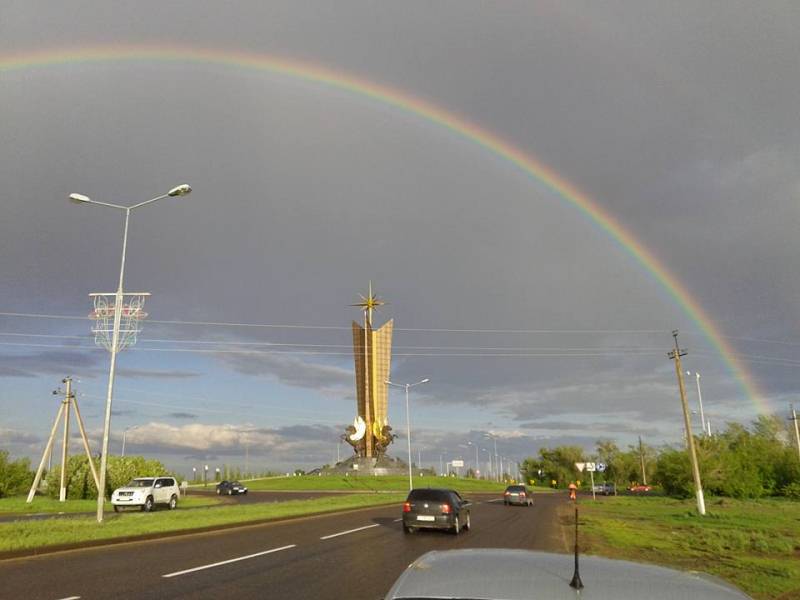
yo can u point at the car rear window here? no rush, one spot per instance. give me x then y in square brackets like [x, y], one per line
[423, 495]
[515, 488]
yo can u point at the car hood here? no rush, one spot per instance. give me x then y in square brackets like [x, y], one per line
[500, 574]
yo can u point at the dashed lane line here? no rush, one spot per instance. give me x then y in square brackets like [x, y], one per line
[227, 562]
[70, 598]
[333, 535]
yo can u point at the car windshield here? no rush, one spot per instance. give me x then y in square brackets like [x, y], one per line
[140, 483]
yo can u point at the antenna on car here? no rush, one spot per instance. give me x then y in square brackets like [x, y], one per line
[576, 576]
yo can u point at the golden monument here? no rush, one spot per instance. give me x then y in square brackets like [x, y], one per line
[370, 433]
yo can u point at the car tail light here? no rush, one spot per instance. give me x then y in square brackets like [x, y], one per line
[406, 506]
[508, 493]
[522, 494]
[446, 509]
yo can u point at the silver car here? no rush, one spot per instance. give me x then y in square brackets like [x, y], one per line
[488, 573]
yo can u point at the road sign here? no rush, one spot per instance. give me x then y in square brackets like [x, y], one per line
[580, 466]
[601, 467]
[457, 463]
[591, 467]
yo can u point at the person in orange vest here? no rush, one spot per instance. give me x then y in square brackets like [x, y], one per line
[573, 491]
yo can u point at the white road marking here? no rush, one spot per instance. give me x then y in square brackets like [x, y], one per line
[398, 520]
[333, 535]
[71, 598]
[495, 500]
[226, 562]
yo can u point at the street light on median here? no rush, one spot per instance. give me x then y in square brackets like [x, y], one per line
[181, 190]
[407, 386]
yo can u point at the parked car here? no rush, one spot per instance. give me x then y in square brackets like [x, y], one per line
[146, 492]
[436, 509]
[639, 489]
[518, 494]
[526, 574]
[606, 489]
[230, 488]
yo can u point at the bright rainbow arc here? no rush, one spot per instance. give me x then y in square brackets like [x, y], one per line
[430, 112]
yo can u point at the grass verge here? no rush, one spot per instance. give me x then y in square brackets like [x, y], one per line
[754, 544]
[41, 504]
[19, 536]
[368, 483]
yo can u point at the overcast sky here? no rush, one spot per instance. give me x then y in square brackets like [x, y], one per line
[680, 120]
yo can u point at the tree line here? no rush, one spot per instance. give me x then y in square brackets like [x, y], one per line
[739, 462]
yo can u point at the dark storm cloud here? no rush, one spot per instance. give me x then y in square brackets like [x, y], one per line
[182, 415]
[681, 123]
[50, 362]
[290, 370]
[152, 374]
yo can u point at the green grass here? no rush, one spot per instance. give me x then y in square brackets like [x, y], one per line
[754, 544]
[367, 483]
[42, 504]
[29, 535]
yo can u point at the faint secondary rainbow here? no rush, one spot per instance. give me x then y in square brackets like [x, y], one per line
[428, 111]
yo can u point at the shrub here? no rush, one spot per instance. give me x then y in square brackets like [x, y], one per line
[16, 476]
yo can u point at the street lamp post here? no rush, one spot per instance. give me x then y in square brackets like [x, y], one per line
[124, 433]
[477, 466]
[700, 401]
[180, 190]
[490, 474]
[407, 386]
[494, 439]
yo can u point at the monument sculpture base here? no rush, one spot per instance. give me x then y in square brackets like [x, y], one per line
[356, 465]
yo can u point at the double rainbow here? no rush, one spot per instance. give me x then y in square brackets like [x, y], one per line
[432, 113]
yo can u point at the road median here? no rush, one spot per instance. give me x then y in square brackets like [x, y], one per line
[29, 538]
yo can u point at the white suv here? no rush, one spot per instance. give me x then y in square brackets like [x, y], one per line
[146, 492]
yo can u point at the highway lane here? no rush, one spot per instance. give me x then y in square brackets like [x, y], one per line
[347, 555]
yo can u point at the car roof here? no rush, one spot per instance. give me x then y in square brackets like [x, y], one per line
[499, 574]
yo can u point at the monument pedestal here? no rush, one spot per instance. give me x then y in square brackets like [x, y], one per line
[356, 465]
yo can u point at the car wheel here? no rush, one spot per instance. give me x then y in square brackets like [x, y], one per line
[456, 527]
[219, 491]
[173, 502]
[407, 529]
[230, 492]
[116, 508]
[468, 524]
[148, 504]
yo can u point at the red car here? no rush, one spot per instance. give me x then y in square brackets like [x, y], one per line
[639, 489]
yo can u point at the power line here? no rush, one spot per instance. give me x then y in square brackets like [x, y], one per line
[342, 328]
[305, 345]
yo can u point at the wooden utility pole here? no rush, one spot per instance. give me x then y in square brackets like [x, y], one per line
[796, 429]
[698, 488]
[641, 460]
[69, 401]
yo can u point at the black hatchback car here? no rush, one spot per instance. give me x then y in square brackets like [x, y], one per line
[435, 509]
[230, 488]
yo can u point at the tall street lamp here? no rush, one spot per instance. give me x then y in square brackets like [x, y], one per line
[490, 474]
[408, 423]
[700, 400]
[180, 190]
[494, 439]
[477, 466]
[124, 432]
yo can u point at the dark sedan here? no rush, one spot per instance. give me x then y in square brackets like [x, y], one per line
[518, 494]
[230, 488]
[435, 509]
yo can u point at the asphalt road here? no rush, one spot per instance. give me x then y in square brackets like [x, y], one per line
[355, 555]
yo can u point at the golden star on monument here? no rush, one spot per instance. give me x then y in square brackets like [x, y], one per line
[370, 301]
